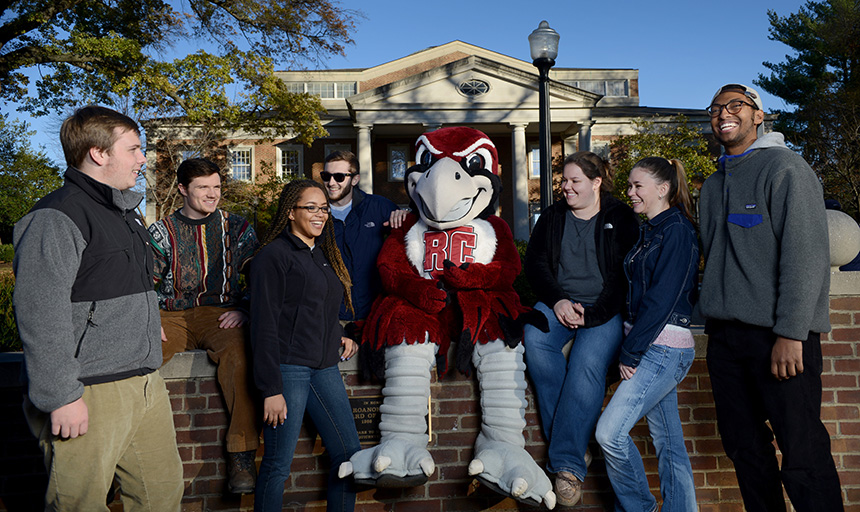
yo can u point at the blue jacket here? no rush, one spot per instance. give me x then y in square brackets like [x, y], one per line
[359, 240]
[662, 269]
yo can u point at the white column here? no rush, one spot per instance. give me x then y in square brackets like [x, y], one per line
[365, 161]
[150, 178]
[585, 135]
[520, 179]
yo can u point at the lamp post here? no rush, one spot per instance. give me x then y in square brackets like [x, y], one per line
[544, 49]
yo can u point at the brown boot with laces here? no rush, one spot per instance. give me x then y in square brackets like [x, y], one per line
[241, 472]
[568, 489]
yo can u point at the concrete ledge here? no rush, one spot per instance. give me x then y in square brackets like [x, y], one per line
[195, 364]
[844, 283]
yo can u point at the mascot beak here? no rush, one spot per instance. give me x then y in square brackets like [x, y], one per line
[445, 193]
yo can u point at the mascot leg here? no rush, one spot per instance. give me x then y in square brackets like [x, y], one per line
[401, 458]
[501, 461]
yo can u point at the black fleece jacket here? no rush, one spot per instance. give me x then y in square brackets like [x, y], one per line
[295, 298]
[616, 232]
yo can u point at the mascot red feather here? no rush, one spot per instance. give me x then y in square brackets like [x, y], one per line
[448, 274]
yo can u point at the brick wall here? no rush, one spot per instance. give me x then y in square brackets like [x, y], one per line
[200, 424]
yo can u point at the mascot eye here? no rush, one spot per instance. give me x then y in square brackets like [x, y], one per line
[473, 163]
[426, 158]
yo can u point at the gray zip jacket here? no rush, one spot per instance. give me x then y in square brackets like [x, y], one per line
[764, 235]
[84, 300]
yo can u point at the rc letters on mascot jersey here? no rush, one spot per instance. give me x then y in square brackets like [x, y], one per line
[447, 275]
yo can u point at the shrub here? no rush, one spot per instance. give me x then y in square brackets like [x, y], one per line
[9, 340]
[6, 252]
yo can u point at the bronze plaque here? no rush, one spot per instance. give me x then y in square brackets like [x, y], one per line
[365, 410]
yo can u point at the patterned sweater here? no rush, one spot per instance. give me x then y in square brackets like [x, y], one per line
[198, 262]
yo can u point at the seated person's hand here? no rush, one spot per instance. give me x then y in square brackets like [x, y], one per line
[231, 319]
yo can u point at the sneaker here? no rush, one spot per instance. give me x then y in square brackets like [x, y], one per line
[568, 489]
[241, 472]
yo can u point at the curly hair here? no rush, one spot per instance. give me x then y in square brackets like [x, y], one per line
[289, 199]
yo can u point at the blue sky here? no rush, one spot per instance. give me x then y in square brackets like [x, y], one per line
[684, 49]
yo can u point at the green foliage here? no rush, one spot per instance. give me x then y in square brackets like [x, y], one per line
[25, 175]
[111, 52]
[820, 80]
[9, 340]
[7, 253]
[257, 202]
[674, 139]
[521, 284]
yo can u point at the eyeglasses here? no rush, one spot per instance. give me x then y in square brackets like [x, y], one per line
[338, 176]
[732, 107]
[312, 208]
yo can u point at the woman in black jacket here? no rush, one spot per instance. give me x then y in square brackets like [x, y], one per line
[298, 281]
[574, 262]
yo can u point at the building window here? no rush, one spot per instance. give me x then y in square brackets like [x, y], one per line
[473, 88]
[325, 90]
[241, 163]
[534, 161]
[609, 88]
[398, 161]
[290, 161]
[331, 148]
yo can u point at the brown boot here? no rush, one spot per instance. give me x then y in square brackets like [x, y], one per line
[241, 472]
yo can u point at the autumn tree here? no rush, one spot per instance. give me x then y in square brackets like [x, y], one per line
[222, 81]
[820, 80]
[675, 138]
[26, 174]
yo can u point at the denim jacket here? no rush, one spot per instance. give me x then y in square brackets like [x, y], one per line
[662, 270]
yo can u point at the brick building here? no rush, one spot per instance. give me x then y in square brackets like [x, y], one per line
[379, 112]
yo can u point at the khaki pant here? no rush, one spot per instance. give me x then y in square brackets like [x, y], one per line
[130, 434]
[197, 328]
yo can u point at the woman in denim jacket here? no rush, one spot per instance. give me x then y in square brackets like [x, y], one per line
[657, 351]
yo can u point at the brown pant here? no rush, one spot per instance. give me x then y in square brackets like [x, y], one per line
[197, 328]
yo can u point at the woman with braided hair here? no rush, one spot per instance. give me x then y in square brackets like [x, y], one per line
[298, 281]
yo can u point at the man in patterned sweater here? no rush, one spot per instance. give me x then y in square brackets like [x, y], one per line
[199, 253]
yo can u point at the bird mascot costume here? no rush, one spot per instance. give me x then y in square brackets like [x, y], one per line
[448, 273]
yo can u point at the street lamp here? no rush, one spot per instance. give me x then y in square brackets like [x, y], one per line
[544, 48]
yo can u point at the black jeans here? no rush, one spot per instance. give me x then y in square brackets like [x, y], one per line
[747, 395]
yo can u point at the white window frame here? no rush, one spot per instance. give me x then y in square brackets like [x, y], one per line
[534, 163]
[250, 164]
[282, 149]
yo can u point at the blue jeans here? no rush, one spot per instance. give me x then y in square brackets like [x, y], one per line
[651, 392]
[581, 380]
[322, 395]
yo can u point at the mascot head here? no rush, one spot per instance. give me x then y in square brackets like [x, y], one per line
[454, 178]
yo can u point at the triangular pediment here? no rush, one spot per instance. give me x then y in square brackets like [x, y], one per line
[440, 85]
[509, 90]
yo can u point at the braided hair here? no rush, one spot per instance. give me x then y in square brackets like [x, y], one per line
[287, 202]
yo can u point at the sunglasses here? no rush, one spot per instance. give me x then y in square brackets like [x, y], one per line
[338, 176]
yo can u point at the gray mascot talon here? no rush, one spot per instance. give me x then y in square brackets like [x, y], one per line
[401, 458]
[501, 461]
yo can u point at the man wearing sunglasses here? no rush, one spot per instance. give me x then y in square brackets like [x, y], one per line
[765, 294]
[360, 221]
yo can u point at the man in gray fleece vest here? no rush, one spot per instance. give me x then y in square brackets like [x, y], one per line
[88, 318]
[765, 294]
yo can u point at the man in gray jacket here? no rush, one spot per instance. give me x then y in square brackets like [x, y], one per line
[765, 294]
[88, 319]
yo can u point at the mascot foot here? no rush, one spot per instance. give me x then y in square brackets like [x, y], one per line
[392, 463]
[511, 470]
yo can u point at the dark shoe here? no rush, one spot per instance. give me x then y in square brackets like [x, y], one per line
[241, 472]
[568, 489]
